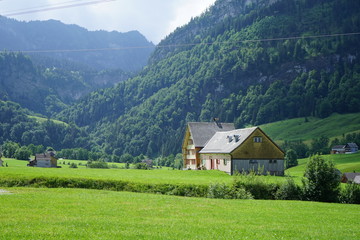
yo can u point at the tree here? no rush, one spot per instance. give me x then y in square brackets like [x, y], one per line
[320, 145]
[291, 158]
[22, 153]
[9, 149]
[322, 180]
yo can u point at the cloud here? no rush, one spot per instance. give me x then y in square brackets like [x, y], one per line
[155, 18]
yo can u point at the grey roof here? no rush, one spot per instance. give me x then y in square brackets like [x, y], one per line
[226, 142]
[338, 146]
[352, 145]
[351, 176]
[201, 132]
[43, 156]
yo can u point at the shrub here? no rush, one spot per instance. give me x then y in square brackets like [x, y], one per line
[255, 185]
[289, 191]
[224, 191]
[322, 180]
[22, 153]
[73, 165]
[350, 194]
[97, 164]
[141, 165]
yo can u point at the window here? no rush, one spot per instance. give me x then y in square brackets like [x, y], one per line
[190, 142]
[253, 162]
[257, 139]
[225, 162]
[272, 161]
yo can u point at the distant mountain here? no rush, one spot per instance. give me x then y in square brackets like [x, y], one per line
[248, 62]
[48, 90]
[127, 51]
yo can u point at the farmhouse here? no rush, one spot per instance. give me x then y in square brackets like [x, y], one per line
[46, 160]
[343, 149]
[231, 151]
[351, 177]
[196, 136]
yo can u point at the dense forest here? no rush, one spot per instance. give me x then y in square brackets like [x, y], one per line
[262, 62]
[247, 62]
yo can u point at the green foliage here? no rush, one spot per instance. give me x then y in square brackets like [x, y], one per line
[22, 153]
[320, 145]
[9, 149]
[141, 165]
[224, 191]
[291, 158]
[322, 180]
[97, 164]
[289, 190]
[350, 194]
[73, 165]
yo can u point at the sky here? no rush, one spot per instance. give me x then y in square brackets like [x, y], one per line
[155, 19]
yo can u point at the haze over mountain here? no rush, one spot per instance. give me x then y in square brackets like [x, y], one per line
[100, 50]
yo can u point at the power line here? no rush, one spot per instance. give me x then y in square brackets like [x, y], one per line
[43, 6]
[54, 7]
[191, 44]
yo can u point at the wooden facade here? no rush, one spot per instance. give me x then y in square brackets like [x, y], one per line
[243, 150]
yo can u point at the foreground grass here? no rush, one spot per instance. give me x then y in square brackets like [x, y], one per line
[90, 214]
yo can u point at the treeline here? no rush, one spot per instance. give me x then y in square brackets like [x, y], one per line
[17, 126]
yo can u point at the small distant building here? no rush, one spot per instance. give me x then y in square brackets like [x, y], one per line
[45, 160]
[1, 162]
[345, 149]
[351, 177]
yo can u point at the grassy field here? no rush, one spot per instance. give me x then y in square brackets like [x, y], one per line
[18, 169]
[343, 162]
[30, 213]
[298, 129]
[41, 120]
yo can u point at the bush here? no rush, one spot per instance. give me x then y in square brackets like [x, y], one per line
[322, 180]
[22, 153]
[141, 165]
[97, 164]
[289, 191]
[256, 185]
[73, 165]
[224, 191]
[350, 194]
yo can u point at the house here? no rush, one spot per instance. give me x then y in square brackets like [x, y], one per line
[46, 160]
[197, 134]
[347, 148]
[350, 177]
[243, 150]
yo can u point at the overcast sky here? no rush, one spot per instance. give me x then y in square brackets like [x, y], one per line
[153, 18]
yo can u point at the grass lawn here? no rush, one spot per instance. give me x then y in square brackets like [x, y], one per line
[343, 162]
[30, 213]
[18, 169]
[298, 129]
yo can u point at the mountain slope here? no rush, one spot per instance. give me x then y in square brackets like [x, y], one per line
[38, 36]
[244, 67]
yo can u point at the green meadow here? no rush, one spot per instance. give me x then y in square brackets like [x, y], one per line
[41, 213]
[343, 162]
[309, 128]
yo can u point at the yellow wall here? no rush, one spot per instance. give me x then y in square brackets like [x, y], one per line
[253, 150]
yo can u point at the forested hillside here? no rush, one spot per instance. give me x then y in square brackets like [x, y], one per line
[48, 90]
[248, 62]
[73, 43]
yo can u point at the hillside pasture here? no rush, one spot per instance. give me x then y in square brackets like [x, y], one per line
[306, 129]
[30, 213]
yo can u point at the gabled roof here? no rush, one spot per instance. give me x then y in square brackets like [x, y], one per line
[43, 156]
[338, 146]
[350, 176]
[226, 142]
[352, 145]
[201, 132]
